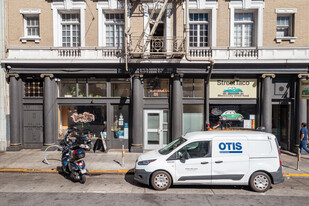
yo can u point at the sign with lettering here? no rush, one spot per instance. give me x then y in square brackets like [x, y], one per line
[233, 88]
[304, 89]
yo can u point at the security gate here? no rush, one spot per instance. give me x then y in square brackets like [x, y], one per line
[33, 126]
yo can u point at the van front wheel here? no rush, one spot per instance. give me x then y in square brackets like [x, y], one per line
[161, 180]
[260, 182]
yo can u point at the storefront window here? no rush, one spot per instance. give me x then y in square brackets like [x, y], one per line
[120, 126]
[193, 88]
[121, 88]
[78, 88]
[193, 118]
[89, 120]
[68, 88]
[97, 88]
[233, 116]
[156, 87]
[81, 87]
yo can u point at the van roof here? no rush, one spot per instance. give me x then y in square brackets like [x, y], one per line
[250, 135]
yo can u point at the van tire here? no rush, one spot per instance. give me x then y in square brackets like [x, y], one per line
[260, 182]
[161, 180]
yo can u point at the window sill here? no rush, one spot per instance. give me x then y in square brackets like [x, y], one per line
[291, 39]
[25, 39]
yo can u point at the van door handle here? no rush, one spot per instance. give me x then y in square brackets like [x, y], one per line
[203, 163]
[218, 161]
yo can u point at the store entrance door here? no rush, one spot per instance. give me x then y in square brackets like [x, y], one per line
[280, 124]
[155, 134]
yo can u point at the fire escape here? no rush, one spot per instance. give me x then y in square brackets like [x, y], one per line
[152, 43]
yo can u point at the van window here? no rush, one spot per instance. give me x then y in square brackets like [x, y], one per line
[195, 150]
[171, 146]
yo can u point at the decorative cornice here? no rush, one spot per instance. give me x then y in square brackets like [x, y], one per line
[268, 75]
[47, 75]
[11, 75]
[303, 75]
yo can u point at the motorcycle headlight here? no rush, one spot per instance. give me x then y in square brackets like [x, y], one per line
[145, 162]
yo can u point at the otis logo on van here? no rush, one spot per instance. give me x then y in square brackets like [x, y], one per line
[230, 147]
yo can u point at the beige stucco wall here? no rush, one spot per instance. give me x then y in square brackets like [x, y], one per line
[223, 24]
[301, 22]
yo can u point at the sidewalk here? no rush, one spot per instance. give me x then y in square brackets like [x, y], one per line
[99, 162]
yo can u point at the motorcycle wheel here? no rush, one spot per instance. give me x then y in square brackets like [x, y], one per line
[82, 179]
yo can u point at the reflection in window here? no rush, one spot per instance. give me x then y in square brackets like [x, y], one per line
[156, 87]
[88, 119]
[120, 126]
[96, 88]
[193, 88]
[193, 118]
[194, 150]
[233, 116]
[120, 88]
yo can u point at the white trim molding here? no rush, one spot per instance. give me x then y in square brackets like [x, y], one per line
[248, 5]
[30, 13]
[111, 6]
[211, 8]
[67, 6]
[287, 11]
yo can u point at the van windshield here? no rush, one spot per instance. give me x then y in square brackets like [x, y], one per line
[171, 146]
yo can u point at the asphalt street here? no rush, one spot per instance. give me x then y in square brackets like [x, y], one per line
[55, 189]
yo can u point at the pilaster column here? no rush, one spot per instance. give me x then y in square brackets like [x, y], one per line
[301, 109]
[15, 137]
[48, 110]
[267, 102]
[137, 113]
[177, 106]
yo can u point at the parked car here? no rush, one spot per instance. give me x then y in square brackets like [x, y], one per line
[231, 115]
[213, 158]
[232, 90]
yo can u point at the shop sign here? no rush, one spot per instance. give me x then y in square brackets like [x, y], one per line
[304, 89]
[233, 88]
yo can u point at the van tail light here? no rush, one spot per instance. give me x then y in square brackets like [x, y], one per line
[279, 157]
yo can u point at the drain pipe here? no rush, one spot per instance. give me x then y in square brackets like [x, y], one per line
[126, 33]
[209, 59]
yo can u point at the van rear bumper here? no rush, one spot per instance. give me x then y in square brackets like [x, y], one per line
[142, 176]
[277, 176]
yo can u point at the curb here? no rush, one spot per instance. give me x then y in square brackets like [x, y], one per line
[94, 172]
[55, 171]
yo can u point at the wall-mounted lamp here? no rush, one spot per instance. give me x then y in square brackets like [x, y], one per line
[8, 67]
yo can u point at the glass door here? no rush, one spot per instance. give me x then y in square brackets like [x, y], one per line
[155, 129]
[280, 124]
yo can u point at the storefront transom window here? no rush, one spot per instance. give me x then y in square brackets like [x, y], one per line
[156, 87]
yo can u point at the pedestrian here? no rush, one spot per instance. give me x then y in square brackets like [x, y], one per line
[218, 125]
[303, 138]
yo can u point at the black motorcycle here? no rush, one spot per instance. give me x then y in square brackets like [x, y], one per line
[73, 153]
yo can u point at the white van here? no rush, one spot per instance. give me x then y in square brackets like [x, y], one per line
[214, 158]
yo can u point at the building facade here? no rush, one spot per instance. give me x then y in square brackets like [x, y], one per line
[142, 73]
[4, 96]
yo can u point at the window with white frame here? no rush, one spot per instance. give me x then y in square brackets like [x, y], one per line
[32, 28]
[70, 25]
[284, 26]
[243, 29]
[198, 25]
[31, 25]
[114, 32]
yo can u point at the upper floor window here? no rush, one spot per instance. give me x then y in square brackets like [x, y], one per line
[243, 29]
[31, 25]
[70, 24]
[285, 20]
[114, 24]
[198, 34]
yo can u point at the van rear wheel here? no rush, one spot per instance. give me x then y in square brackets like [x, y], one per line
[260, 182]
[161, 180]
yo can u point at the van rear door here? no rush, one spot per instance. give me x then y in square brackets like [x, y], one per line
[230, 159]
